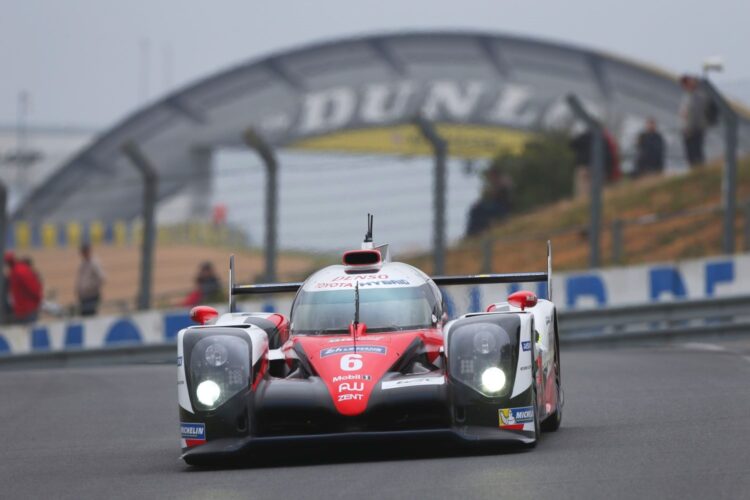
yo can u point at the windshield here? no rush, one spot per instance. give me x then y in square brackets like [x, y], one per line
[385, 309]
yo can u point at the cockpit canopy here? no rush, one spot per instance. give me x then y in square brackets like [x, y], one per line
[396, 298]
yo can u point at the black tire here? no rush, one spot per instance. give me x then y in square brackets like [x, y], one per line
[552, 422]
[537, 425]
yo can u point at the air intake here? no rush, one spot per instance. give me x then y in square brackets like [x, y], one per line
[363, 258]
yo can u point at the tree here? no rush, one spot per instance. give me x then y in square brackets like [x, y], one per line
[541, 174]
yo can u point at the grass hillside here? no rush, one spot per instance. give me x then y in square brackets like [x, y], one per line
[664, 218]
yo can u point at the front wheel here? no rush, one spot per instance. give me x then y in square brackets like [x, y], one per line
[537, 427]
[552, 422]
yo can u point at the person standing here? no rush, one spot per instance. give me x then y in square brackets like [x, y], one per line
[24, 290]
[693, 117]
[494, 204]
[89, 282]
[649, 150]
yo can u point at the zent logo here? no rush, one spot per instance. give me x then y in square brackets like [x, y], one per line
[351, 362]
[350, 397]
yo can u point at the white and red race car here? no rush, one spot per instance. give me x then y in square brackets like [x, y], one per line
[365, 353]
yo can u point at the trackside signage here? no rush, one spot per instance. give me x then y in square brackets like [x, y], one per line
[694, 279]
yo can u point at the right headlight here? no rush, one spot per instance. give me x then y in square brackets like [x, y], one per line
[219, 369]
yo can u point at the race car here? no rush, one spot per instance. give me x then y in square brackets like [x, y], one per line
[368, 352]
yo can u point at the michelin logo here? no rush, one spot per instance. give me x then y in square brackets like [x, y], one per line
[376, 349]
[193, 431]
[515, 416]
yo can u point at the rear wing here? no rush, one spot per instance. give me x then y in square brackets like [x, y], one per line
[469, 279]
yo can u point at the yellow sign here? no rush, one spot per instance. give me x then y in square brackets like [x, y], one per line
[464, 141]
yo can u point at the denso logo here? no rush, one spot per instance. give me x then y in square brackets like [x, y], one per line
[342, 378]
[354, 386]
[361, 277]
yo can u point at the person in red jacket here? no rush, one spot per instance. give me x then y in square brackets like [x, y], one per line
[24, 290]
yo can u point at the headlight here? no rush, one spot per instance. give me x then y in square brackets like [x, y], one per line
[208, 392]
[481, 354]
[219, 369]
[493, 379]
[216, 355]
[484, 342]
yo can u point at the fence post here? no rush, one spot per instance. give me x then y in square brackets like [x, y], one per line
[617, 250]
[746, 228]
[597, 176]
[440, 151]
[3, 232]
[256, 142]
[150, 193]
[729, 180]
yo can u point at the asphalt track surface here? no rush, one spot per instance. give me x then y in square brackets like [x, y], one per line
[659, 422]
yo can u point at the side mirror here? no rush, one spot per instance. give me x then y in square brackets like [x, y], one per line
[522, 299]
[203, 314]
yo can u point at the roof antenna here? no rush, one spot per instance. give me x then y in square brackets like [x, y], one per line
[367, 244]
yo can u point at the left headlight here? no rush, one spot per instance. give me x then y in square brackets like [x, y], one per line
[219, 369]
[493, 380]
[481, 356]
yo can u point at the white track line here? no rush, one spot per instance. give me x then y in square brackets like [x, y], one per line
[700, 346]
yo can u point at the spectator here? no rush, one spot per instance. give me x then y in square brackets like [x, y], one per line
[649, 150]
[693, 117]
[89, 282]
[207, 287]
[493, 206]
[581, 146]
[5, 298]
[24, 290]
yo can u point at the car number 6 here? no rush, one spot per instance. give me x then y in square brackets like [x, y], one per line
[351, 362]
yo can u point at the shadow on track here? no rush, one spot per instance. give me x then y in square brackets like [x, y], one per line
[301, 455]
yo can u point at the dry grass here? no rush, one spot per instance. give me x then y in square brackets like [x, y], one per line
[519, 242]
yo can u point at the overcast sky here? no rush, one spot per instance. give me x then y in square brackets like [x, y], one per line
[80, 60]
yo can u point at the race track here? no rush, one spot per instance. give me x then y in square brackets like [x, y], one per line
[661, 422]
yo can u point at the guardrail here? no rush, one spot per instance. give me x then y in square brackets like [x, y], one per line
[644, 323]
[657, 321]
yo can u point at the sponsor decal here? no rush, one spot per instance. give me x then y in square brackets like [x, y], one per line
[357, 277]
[363, 284]
[342, 378]
[350, 397]
[412, 382]
[179, 360]
[193, 431]
[345, 349]
[514, 418]
[349, 339]
[524, 368]
[526, 345]
[352, 386]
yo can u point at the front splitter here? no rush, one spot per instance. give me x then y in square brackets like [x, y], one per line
[227, 448]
